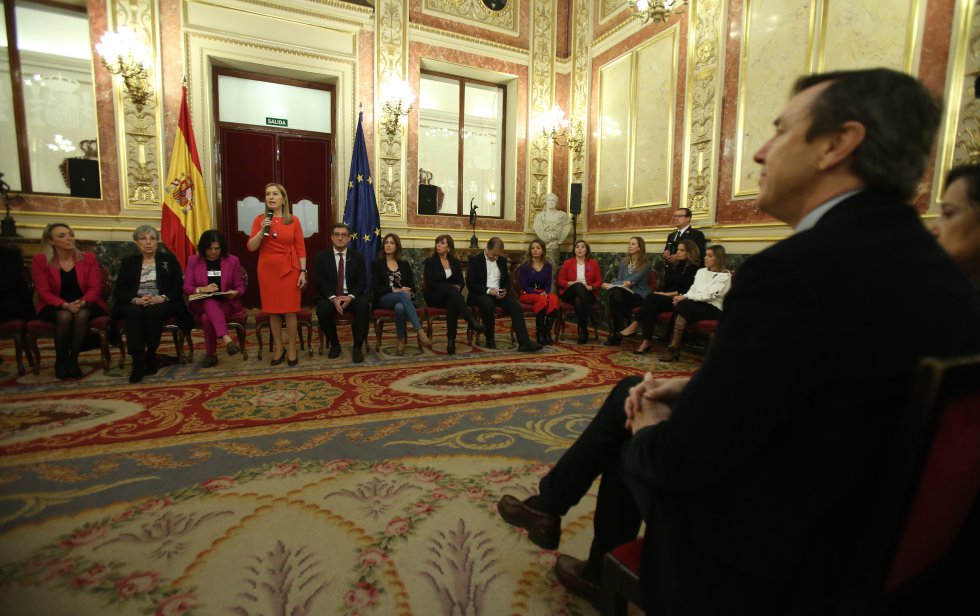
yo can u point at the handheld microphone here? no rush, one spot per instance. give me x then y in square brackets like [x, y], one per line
[268, 216]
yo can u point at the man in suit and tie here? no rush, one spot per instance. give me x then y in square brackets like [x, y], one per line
[488, 281]
[682, 220]
[755, 476]
[341, 282]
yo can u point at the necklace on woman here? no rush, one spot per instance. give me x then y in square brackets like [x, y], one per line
[630, 267]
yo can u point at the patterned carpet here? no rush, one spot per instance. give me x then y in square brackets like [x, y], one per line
[327, 488]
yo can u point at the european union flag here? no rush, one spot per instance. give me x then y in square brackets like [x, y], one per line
[361, 208]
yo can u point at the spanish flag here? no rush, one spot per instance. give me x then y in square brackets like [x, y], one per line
[185, 202]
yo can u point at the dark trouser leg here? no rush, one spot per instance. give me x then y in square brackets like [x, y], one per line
[582, 299]
[485, 304]
[513, 309]
[135, 329]
[653, 305]
[360, 307]
[153, 318]
[596, 452]
[326, 314]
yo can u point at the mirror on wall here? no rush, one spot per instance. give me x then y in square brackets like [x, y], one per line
[48, 127]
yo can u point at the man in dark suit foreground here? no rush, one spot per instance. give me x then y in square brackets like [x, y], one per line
[488, 282]
[753, 476]
[340, 294]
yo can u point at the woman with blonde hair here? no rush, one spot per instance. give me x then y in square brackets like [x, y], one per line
[278, 237]
[535, 277]
[69, 291]
[677, 280]
[629, 288]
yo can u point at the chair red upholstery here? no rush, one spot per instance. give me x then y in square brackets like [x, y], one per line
[37, 328]
[931, 484]
[621, 579]
[16, 330]
[382, 316]
[170, 325]
[237, 322]
[304, 319]
[565, 308]
[431, 314]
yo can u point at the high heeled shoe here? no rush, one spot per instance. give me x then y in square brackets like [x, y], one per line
[276, 362]
[643, 350]
[451, 347]
[423, 339]
[673, 354]
[292, 362]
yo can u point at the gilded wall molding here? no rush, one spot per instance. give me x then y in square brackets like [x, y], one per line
[391, 26]
[541, 94]
[968, 138]
[476, 13]
[581, 80]
[421, 32]
[140, 147]
[702, 105]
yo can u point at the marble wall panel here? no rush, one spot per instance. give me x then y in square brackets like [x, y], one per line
[612, 160]
[653, 140]
[560, 158]
[772, 58]
[868, 34]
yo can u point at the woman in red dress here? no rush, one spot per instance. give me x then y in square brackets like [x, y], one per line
[278, 236]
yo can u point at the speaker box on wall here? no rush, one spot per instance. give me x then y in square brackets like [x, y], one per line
[83, 178]
[575, 199]
[428, 199]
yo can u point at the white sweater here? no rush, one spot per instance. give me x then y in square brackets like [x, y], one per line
[710, 287]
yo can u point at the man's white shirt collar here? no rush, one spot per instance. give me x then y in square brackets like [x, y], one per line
[811, 219]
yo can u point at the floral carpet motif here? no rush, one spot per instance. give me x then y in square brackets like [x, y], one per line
[491, 378]
[417, 535]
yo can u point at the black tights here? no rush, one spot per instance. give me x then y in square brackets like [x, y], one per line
[582, 299]
[70, 330]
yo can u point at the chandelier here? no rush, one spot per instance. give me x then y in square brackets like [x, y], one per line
[655, 10]
[396, 98]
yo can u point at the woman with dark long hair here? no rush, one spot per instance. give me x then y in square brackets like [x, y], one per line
[535, 278]
[958, 227]
[702, 301]
[393, 287]
[443, 288]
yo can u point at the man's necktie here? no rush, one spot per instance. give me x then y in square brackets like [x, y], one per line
[340, 275]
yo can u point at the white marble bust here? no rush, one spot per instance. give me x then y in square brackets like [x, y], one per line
[552, 225]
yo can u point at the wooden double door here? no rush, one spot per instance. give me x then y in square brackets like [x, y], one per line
[252, 158]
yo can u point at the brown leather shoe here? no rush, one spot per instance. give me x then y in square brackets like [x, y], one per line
[542, 528]
[569, 572]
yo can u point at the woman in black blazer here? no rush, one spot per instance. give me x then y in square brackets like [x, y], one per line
[393, 287]
[443, 288]
[149, 290]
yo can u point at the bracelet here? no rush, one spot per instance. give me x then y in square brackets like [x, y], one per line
[302, 271]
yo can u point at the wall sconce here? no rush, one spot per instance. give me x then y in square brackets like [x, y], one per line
[123, 54]
[562, 132]
[397, 98]
[655, 10]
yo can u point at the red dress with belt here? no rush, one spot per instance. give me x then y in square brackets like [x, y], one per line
[278, 269]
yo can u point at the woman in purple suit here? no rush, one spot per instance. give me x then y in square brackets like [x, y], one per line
[212, 270]
[536, 277]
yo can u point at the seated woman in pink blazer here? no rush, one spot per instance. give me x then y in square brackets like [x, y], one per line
[213, 269]
[69, 294]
